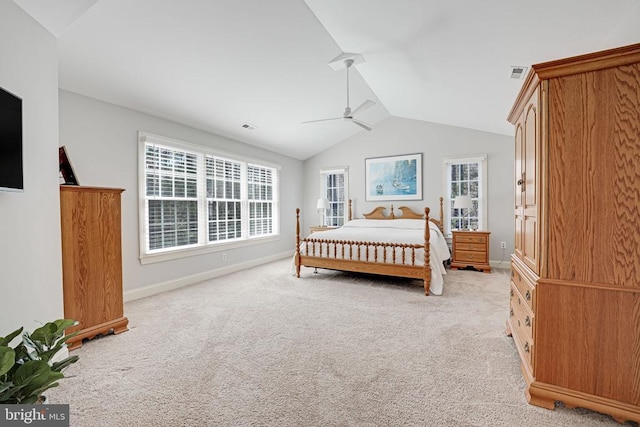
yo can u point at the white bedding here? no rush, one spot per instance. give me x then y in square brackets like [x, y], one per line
[388, 231]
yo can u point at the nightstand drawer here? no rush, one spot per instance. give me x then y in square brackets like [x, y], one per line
[478, 247]
[470, 238]
[470, 256]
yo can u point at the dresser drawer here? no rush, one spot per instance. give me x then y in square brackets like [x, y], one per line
[522, 317]
[522, 323]
[470, 256]
[524, 285]
[525, 348]
[471, 238]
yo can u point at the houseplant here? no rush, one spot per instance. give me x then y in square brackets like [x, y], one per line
[29, 369]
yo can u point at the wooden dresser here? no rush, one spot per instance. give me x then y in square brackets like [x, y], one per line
[92, 260]
[575, 275]
[470, 249]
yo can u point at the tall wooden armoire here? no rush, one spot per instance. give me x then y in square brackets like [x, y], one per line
[92, 260]
[575, 288]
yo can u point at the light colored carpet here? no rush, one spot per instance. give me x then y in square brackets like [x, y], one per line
[330, 349]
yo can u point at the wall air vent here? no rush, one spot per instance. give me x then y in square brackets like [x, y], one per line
[518, 72]
[248, 126]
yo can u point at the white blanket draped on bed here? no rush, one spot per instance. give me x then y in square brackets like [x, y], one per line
[409, 231]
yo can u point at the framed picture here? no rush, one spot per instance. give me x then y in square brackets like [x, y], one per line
[393, 178]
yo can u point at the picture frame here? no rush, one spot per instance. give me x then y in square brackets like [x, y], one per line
[67, 175]
[393, 178]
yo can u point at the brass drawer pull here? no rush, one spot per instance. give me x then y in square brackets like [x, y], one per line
[511, 312]
[526, 347]
[528, 296]
[527, 321]
[511, 292]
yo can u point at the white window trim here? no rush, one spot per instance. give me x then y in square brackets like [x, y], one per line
[482, 187]
[191, 250]
[337, 169]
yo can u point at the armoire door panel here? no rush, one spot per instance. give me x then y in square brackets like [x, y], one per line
[597, 163]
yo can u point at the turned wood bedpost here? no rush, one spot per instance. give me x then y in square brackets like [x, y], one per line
[297, 257]
[427, 251]
[350, 216]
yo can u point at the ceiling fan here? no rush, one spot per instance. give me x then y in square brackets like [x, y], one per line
[348, 114]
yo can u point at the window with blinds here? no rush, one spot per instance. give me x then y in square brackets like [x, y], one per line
[193, 197]
[466, 176]
[261, 202]
[334, 185]
[224, 199]
[171, 189]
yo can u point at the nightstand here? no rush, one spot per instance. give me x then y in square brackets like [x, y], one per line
[471, 249]
[318, 228]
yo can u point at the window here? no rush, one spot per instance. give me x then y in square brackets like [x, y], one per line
[466, 176]
[193, 198]
[334, 186]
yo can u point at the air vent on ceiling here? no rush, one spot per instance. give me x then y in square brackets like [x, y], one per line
[248, 126]
[518, 72]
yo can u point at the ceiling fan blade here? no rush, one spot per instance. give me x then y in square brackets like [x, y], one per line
[363, 125]
[322, 120]
[365, 105]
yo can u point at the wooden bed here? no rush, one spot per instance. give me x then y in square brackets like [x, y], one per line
[308, 254]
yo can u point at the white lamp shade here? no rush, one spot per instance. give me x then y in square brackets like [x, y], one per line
[323, 204]
[462, 202]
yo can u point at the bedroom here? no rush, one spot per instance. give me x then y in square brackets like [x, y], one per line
[101, 142]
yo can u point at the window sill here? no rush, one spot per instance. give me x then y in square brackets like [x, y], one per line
[200, 250]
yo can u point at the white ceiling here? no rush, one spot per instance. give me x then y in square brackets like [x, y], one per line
[216, 64]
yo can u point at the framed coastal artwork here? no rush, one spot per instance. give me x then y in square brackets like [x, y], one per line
[393, 178]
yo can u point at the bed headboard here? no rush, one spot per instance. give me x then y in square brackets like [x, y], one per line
[407, 213]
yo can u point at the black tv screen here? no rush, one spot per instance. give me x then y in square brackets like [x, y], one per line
[10, 142]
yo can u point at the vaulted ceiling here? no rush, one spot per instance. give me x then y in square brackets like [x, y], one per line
[217, 64]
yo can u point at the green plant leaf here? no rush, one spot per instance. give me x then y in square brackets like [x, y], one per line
[63, 364]
[7, 359]
[63, 325]
[45, 335]
[36, 376]
[6, 340]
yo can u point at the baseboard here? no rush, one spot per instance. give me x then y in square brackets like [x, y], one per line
[503, 264]
[157, 288]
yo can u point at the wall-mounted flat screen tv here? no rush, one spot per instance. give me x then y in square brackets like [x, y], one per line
[11, 178]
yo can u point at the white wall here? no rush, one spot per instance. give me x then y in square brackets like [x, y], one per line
[30, 257]
[101, 140]
[626, 32]
[404, 136]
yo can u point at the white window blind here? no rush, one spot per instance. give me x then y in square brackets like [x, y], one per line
[262, 197]
[194, 197]
[171, 191]
[334, 186]
[224, 199]
[466, 176]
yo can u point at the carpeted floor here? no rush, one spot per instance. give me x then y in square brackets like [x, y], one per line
[263, 348]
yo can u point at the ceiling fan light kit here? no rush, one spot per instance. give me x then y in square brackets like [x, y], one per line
[345, 61]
